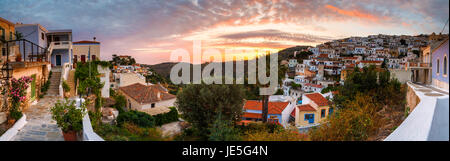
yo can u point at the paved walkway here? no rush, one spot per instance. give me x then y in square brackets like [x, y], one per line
[40, 126]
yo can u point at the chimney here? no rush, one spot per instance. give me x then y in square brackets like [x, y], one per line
[94, 38]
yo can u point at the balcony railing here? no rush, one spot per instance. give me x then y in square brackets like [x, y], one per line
[61, 44]
[418, 65]
[29, 51]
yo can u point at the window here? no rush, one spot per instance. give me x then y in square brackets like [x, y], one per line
[309, 118]
[330, 111]
[3, 51]
[42, 36]
[153, 105]
[10, 35]
[129, 104]
[322, 113]
[3, 37]
[437, 67]
[445, 65]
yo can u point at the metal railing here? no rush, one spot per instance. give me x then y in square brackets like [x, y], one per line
[29, 51]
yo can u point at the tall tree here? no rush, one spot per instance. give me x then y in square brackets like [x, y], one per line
[210, 100]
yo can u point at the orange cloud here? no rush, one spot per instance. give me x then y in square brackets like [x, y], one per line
[353, 13]
[406, 24]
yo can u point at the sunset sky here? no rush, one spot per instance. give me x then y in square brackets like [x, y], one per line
[150, 30]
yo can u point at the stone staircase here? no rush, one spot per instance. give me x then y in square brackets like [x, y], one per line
[71, 82]
[55, 81]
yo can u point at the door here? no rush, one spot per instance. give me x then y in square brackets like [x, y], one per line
[58, 60]
[83, 58]
[93, 58]
[75, 59]
[33, 88]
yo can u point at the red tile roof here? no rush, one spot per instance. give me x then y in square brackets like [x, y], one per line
[352, 58]
[314, 85]
[323, 56]
[371, 62]
[318, 99]
[252, 115]
[86, 42]
[306, 107]
[146, 94]
[274, 107]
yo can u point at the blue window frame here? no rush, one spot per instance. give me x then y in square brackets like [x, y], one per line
[322, 113]
[309, 118]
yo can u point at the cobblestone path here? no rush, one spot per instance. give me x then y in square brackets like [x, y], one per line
[40, 125]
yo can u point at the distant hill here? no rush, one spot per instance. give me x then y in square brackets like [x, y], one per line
[163, 69]
[289, 52]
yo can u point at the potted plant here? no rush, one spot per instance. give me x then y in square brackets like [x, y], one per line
[69, 118]
[18, 57]
[66, 89]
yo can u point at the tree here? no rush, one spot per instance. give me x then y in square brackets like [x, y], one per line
[357, 121]
[209, 101]
[383, 65]
[223, 130]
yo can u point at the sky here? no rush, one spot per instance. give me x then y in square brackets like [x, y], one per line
[149, 30]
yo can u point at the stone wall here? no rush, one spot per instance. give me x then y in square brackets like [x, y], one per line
[411, 99]
[29, 71]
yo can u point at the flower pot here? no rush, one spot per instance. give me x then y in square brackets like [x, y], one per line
[18, 58]
[11, 122]
[70, 136]
[66, 94]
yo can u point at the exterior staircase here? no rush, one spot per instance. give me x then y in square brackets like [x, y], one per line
[55, 81]
[71, 82]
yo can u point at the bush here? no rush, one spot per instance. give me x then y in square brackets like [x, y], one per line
[121, 101]
[141, 119]
[67, 116]
[171, 116]
[65, 86]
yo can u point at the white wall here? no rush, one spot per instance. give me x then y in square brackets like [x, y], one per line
[105, 79]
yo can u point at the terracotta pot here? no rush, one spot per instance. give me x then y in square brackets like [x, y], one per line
[18, 58]
[70, 136]
[11, 121]
[66, 94]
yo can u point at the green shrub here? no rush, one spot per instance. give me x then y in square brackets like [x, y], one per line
[15, 114]
[67, 116]
[171, 116]
[65, 86]
[121, 101]
[141, 119]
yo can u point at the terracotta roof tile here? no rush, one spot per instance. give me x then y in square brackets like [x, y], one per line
[86, 42]
[274, 107]
[252, 115]
[306, 107]
[318, 99]
[146, 94]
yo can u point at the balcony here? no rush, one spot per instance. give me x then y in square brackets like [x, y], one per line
[419, 65]
[30, 54]
[61, 45]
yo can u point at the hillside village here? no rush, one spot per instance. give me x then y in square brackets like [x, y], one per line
[122, 90]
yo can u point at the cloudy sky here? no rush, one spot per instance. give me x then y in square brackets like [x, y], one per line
[151, 30]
